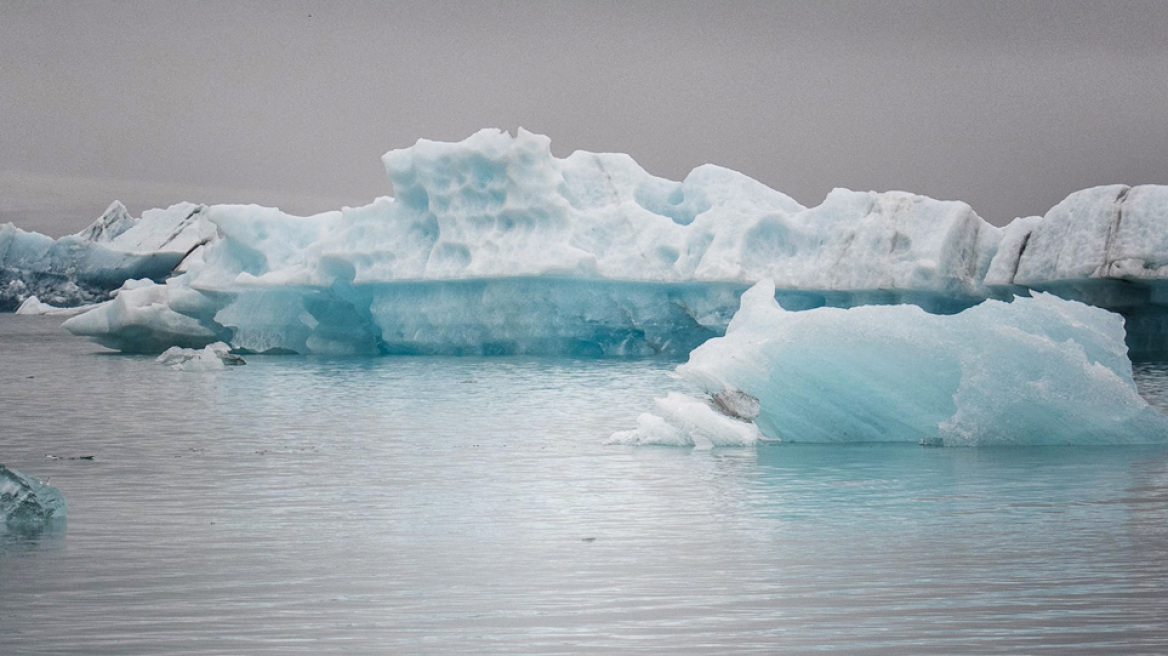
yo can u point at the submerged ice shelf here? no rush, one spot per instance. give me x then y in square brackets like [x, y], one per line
[1040, 370]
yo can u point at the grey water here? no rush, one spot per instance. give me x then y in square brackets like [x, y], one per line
[464, 505]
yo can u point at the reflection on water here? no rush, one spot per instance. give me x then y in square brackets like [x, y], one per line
[406, 505]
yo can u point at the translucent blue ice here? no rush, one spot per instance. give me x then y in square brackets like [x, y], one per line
[1039, 370]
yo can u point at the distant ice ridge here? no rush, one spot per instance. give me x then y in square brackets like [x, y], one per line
[27, 502]
[1039, 370]
[85, 267]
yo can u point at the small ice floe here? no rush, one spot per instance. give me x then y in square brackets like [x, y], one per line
[27, 502]
[211, 358]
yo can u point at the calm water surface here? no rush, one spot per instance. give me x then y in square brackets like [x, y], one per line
[402, 505]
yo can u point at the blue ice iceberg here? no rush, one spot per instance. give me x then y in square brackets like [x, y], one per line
[1039, 370]
[26, 502]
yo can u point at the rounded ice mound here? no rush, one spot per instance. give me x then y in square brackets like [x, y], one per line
[1039, 370]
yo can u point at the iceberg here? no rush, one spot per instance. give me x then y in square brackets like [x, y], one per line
[1039, 370]
[26, 502]
[494, 246]
[85, 267]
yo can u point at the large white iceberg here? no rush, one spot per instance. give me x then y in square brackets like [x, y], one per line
[492, 245]
[1039, 370]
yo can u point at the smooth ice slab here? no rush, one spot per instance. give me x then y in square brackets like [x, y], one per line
[1038, 370]
[26, 502]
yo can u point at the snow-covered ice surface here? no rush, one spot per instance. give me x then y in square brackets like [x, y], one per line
[27, 502]
[1039, 370]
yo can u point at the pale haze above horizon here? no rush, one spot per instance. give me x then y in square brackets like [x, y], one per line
[1008, 106]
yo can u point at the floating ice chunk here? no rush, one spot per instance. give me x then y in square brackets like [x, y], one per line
[1038, 370]
[210, 358]
[688, 421]
[493, 245]
[26, 502]
[140, 320]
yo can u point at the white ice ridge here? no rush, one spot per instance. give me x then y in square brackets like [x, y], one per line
[493, 245]
[1039, 370]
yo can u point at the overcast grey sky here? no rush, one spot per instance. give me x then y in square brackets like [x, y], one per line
[1006, 105]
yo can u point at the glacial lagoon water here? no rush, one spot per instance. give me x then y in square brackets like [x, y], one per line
[432, 505]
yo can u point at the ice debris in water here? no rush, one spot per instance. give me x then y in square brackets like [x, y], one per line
[210, 358]
[26, 502]
[1039, 370]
